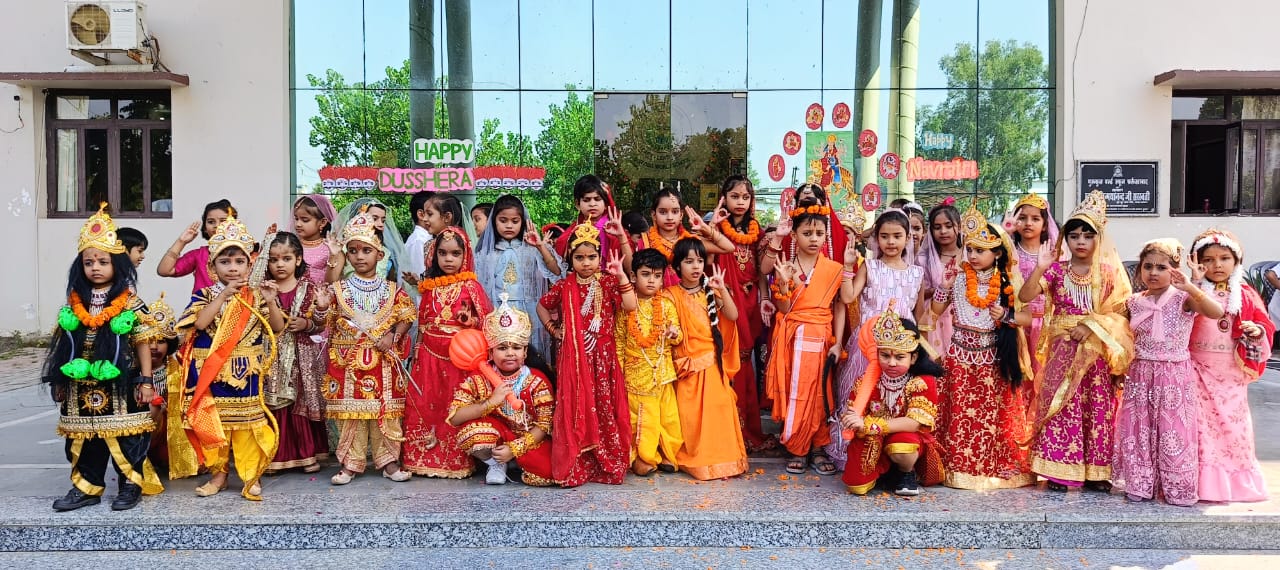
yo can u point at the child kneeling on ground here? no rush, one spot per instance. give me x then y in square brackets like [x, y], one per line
[490, 428]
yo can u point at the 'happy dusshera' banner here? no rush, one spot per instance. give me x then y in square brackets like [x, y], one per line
[440, 179]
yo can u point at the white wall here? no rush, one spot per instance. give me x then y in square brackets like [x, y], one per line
[230, 139]
[1116, 113]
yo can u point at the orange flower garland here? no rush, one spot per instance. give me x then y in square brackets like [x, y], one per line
[661, 244]
[444, 280]
[823, 210]
[94, 321]
[749, 238]
[971, 287]
[633, 324]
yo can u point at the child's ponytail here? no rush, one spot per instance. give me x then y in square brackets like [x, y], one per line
[713, 316]
[1007, 336]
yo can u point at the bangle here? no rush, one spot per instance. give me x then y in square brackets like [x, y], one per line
[626, 287]
[874, 426]
[941, 295]
[848, 274]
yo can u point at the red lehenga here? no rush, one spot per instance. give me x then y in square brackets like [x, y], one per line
[591, 435]
[741, 278]
[431, 446]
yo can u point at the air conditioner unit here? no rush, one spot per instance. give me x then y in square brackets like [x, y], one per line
[104, 26]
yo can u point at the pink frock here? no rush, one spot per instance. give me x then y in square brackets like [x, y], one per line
[1156, 434]
[883, 284]
[1229, 469]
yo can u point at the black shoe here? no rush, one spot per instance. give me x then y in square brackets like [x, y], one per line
[1099, 486]
[128, 498]
[74, 500]
[907, 486]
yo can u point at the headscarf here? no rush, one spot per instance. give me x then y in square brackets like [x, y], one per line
[468, 255]
[486, 248]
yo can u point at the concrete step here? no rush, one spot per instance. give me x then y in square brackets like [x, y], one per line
[798, 558]
[764, 509]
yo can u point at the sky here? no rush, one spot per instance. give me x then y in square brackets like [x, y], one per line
[785, 54]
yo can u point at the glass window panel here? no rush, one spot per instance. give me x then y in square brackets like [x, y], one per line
[1177, 203]
[709, 61]
[633, 144]
[131, 172]
[68, 145]
[945, 35]
[1248, 170]
[770, 115]
[781, 54]
[83, 107]
[1012, 143]
[1198, 108]
[840, 41]
[560, 124]
[161, 170]
[96, 165]
[709, 135]
[389, 31]
[946, 127]
[330, 130]
[1259, 107]
[1271, 169]
[328, 41]
[1015, 36]
[555, 44]
[487, 36]
[154, 108]
[632, 45]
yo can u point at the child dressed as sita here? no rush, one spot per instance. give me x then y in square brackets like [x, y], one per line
[810, 294]
[592, 426]
[293, 385]
[512, 258]
[742, 277]
[1228, 354]
[1156, 433]
[451, 301]
[232, 326]
[892, 410]
[99, 371]
[646, 338]
[1033, 231]
[888, 275]
[940, 257]
[367, 318]
[1085, 348]
[706, 361]
[492, 429]
[981, 414]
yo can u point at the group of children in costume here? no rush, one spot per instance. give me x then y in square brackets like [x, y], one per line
[956, 351]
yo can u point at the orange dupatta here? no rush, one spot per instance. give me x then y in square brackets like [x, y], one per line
[205, 426]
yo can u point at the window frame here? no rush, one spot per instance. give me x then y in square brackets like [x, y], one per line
[113, 126]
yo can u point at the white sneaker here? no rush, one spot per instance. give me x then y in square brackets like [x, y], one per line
[497, 474]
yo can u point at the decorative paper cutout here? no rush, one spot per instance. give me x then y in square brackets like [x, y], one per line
[867, 142]
[791, 142]
[840, 115]
[955, 169]
[777, 167]
[890, 165]
[870, 197]
[813, 116]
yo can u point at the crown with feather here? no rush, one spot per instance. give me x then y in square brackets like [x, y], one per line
[99, 232]
[507, 324]
[889, 332]
[230, 233]
[584, 233]
[1093, 209]
[854, 216]
[976, 230]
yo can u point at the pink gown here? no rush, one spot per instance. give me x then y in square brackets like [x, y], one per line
[1229, 469]
[1156, 433]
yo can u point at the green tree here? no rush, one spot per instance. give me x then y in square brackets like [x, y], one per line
[564, 149]
[1003, 129]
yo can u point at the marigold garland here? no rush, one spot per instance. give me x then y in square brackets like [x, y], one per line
[109, 312]
[444, 280]
[749, 238]
[633, 324]
[971, 287]
[661, 244]
[823, 210]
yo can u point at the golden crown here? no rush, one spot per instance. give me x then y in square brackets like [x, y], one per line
[165, 320]
[584, 233]
[99, 232]
[230, 233]
[507, 324]
[889, 332]
[360, 228]
[1094, 209]
[973, 225]
[854, 216]
[1032, 199]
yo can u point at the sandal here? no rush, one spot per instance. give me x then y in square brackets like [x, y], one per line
[822, 464]
[1056, 487]
[642, 468]
[797, 465]
[1099, 486]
